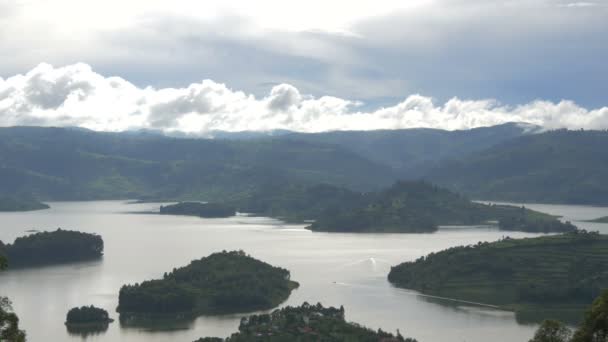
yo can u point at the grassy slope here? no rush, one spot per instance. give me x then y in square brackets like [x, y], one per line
[503, 273]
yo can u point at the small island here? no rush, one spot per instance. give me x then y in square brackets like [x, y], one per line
[46, 248]
[603, 219]
[305, 323]
[557, 273]
[87, 319]
[8, 204]
[225, 282]
[208, 210]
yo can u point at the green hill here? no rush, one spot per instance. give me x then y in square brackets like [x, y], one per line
[75, 164]
[54, 247]
[411, 151]
[405, 207]
[20, 204]
[225, 282]
[554, 167]
[559, 274]
[305, 323]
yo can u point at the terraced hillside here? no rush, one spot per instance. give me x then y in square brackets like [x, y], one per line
[560, 274]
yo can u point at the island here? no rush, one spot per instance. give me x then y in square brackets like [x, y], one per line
[209, 210]
[603, 219]
[221, 283]
[20, 204]
[405, 207]
[59, 246]
[305, 323]
[559, 274]
[87, 319]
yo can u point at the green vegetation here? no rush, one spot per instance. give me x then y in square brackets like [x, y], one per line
[603, 219]
[554, 167]
[560, 273]
[58, 246]
[9, 322]
[406, 207]
[87, 317]
[593, 328]
[305, 323]
[225, 282]
[299, 203]
[20, 204]
[70, 164]
[411, 152]
[210, 210]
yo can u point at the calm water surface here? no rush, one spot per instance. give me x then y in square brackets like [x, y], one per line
[335, 269]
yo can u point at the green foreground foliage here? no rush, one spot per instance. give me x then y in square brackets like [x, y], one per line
[226, 282]
[210, 210]
[560, 272]
[9, 322]
[594, 327]
[406, 207]
[305, 323]
[53, 247]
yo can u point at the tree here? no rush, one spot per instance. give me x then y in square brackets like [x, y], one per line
[595, 325]
[9, 322]
[552, 331]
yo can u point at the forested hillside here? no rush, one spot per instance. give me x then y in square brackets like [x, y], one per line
[60, 163]
[553, 273]
[554, 167]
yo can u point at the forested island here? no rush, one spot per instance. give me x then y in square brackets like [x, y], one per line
[225, 282]
[406, 207]
[209, 210]
[87, 319]
[59, 246]
[558, 273]
[20, 204]
[305, 323]
[603, 219]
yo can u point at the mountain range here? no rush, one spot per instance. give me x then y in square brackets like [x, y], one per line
[515, 162]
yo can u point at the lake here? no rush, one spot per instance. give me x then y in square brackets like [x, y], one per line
[334, 269]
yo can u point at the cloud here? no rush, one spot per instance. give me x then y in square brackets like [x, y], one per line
[76, 95]
[514, 51]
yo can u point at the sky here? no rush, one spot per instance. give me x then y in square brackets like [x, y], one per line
[310, 66]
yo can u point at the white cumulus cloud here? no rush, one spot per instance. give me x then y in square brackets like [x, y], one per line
[75, 95]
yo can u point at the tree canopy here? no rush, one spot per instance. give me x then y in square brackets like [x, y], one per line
[9, 322]
[87, 315]
[57, 246]
[223, 282]
[305, 323]
[211, 210]
[559, 272]
[405, 207]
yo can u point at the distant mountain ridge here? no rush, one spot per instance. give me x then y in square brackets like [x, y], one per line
[553, 167]
[75, 164]
[408, 151]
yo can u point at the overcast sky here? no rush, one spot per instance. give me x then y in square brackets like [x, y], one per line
[196, 66]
